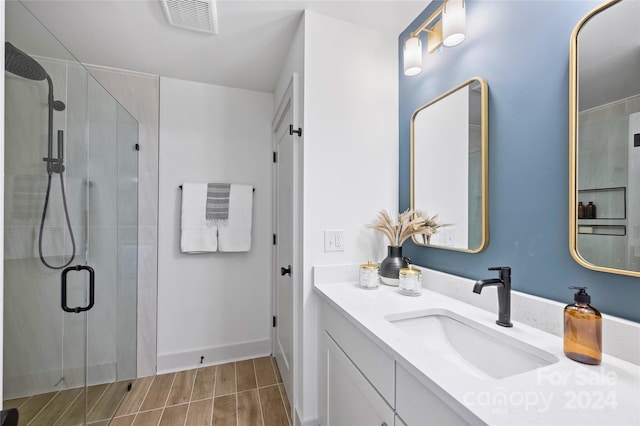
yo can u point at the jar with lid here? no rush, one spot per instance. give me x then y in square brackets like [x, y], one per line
[369, 276]
[410, 281]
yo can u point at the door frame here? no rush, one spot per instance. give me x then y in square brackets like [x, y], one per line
[291, 92]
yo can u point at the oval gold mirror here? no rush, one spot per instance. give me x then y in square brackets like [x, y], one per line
[449, 161]
[604, 204]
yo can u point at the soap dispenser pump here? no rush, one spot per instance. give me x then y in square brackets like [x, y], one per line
[582, 329]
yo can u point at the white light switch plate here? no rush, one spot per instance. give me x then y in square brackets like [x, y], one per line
[334, 240]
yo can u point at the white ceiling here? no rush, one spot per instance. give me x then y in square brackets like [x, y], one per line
[248, 51]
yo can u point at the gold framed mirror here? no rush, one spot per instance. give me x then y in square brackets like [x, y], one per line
[604, 139]
[449, 166]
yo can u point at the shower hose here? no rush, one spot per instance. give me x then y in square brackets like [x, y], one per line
[66, 215]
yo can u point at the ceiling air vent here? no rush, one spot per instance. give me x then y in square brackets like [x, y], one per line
[195, 15]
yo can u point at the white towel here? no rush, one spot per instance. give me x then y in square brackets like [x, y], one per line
[235, 233]
[197, 234]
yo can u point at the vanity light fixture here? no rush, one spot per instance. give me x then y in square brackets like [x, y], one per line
[412, 55]
[453, 23]
[445, 27]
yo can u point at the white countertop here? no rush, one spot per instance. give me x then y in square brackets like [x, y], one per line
[562, 393]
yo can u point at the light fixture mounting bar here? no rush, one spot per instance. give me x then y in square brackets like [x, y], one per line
[429, 20]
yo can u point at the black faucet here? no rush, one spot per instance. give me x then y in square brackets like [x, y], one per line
[504, 293]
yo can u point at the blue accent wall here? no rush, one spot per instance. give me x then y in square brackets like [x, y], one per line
[522, 49]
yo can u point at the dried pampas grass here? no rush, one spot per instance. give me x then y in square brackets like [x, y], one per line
[410, 223]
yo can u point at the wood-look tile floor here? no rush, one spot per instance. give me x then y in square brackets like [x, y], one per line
[243, 393]
[66, 407]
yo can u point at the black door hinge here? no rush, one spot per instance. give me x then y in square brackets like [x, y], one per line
[274, 321]
[275, 239]
[137, 147]
[297, 132]
[275, 157]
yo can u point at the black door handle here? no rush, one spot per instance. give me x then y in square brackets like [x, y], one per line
[78, 309]
[285, 271]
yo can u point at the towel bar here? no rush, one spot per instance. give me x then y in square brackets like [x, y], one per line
[253, 189]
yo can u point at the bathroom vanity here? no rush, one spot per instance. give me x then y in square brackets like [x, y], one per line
[386, 358]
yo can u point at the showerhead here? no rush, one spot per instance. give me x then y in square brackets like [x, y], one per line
[19, 63]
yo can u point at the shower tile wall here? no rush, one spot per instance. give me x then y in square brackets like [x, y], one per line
[605, 151]
[140, 94]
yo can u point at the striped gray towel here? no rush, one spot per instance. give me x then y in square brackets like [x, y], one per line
[218, 201]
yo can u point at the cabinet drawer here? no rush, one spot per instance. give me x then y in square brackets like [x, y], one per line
[418, 405]
[373, 362]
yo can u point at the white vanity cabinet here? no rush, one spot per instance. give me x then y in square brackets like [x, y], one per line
[361, 384]
[350, 398]
[358, 379]
[372, 371]
[417, 405]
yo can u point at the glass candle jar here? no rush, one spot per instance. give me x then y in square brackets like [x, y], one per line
[410, 281]
[369, 275]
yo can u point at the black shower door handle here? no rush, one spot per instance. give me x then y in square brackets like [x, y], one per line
[92, 274]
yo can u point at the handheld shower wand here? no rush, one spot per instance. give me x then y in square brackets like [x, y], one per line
[19, 63]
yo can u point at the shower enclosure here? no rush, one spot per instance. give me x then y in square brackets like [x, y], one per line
[70, 251]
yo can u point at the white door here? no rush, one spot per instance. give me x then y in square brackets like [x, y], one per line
[285, 274]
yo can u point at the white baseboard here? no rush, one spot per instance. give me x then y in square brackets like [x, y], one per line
[306, 422]
[179, 361]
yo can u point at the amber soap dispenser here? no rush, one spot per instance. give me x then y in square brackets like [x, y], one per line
[582, 329]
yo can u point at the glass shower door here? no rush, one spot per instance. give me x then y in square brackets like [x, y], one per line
[112, 241]
[66, 367]
[44, 346]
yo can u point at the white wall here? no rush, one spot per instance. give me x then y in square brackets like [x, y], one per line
[351, 153]
[350, 158]
[214, 305]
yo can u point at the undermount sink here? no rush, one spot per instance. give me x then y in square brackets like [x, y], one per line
[473, 347]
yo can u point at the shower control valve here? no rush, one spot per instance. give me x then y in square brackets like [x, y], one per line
[54, 165]
[57, 167]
